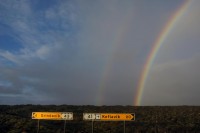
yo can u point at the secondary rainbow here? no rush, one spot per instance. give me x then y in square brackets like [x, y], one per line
[117, 41]
[156, 46]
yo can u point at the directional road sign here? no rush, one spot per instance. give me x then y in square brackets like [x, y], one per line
[52, 115]
[109, 116]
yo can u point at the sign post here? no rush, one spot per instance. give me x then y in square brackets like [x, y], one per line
[124, 126]
[38, 126]
[64, 126]
[52, 116]
[109, 117]
[92, 126]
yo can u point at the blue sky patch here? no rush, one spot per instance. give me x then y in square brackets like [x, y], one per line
[9, 43]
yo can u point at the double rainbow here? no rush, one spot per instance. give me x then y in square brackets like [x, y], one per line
[119, 38]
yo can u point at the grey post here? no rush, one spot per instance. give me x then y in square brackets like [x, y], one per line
[38, 126]
[64, 126]
[124, 126]
[92, 125]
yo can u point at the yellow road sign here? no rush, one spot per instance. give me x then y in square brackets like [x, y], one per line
[52, 115]
[109, 116]
[117, 117]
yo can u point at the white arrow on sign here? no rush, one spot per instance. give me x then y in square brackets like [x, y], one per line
[67, 115]
[98, 116]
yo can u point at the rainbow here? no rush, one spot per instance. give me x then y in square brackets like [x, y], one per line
[117, 40]
[156, 46]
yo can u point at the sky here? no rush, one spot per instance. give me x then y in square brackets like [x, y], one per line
[94, 52]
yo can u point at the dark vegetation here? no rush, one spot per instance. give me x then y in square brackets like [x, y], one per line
[149, 119]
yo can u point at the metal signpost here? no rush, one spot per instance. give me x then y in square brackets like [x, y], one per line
[109, 117]
[86, 116]
[52, 116]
